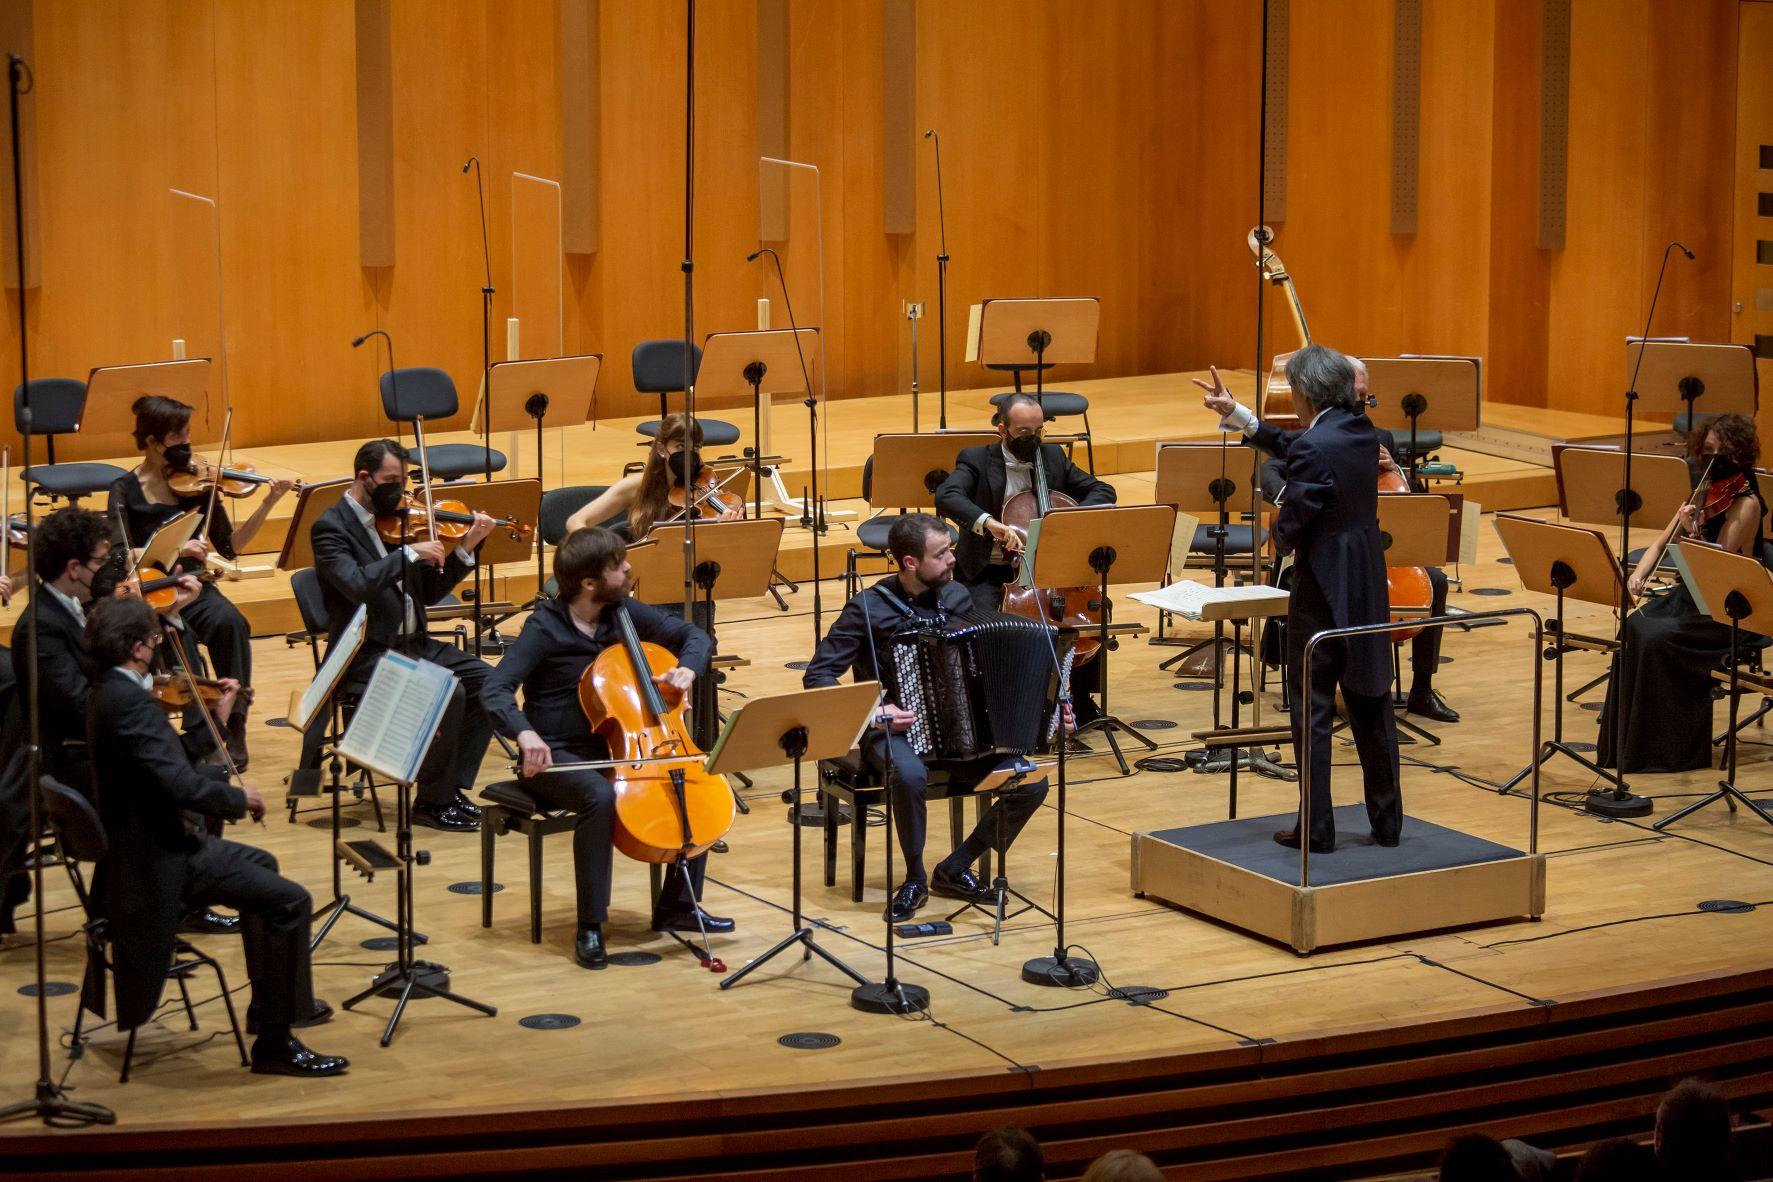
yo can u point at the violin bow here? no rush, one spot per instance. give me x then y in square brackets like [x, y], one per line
[215, 488]
[215, 732]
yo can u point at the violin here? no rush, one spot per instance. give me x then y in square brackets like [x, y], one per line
[1079, 608]
[160, 589]
[709, 499]
[174, 692]
[452, 521]
[1717, 496]
[201, 477]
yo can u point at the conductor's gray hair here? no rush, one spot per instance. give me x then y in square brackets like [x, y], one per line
[1323, 377]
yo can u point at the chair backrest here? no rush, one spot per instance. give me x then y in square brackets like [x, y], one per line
[558, 504]
[658, 366]
[75, 822]
[868, 482]
[305, 585]
[421, 390]
[56, 405]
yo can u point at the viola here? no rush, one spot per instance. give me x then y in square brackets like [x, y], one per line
[453, 520]
[173, 691]
[201, 477]
[160, 589]
[1078, 608]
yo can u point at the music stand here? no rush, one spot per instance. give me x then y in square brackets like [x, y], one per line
[1414, 532]
[111, 389]
[1192, 478]
[792, 728]
[1680, 373]
[313, 500]
[1068, 551]
[909, 468]
[757, 364]
[1737, 591]
[1568, 562]
[1401, 390]
[1592, 488]
[1015, 333]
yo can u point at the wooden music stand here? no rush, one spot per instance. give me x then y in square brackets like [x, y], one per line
[1568, 562]
[1677, 374]
[1034, 333]
[756, 364]
[908, 468]
[1202, 479]
[742, 554]
[791, 728]
[1415, 529]
[1406, 390]
[536, 386]
[520, 499]
[313, 500]
[1591, 485]
[111, 389]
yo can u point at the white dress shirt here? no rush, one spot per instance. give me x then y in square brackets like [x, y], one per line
[368, 520]
[1018, 477]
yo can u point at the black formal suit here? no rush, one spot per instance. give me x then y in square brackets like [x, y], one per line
[63, 687]
[862, 635]
[353, 570]
[546, 661]
[154, 802]
[1329, 521]
[976, 488]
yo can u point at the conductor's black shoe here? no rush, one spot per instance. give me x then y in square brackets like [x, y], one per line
[1430, 705]
[205, 922]
[907, 900]
[287, 1056]
[320, 1014]
[1290, 839]
[685, 921]
[588, 949]
[960, 884]
[463, 804]
[446, 817]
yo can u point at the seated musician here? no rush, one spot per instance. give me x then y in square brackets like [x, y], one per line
[1671, 646]
[1425, 647]
[146, 501]
[559, 642]
[356, 567]
[646, 496]
[974, 495]
[161, 859]
[923, 589]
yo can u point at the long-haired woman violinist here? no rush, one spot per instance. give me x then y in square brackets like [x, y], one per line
[1671, 647]
[147, 501]
[655, 493]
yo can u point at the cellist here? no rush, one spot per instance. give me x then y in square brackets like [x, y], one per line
[559, 641]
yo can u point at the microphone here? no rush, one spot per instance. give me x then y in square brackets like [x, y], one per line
[471, 160]
[752, 257]
[1684, 250]
[930, 134]
[359, 341]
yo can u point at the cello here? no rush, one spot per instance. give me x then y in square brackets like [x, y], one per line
[1077, 608]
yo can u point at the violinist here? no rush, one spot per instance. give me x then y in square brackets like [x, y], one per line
[655, 493]
[983, 482]
[1329, 521]
[397, 583]
[147, 501]
[1671, 646]
[559, 642]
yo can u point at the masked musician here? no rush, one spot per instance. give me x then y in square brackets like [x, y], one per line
[1329, 521]
[923, 590]
[146, 501]
[357, 568]
[646, 496]
[154, 801]
[559, 642]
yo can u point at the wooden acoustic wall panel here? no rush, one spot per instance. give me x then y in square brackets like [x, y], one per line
[375, 132]
[1274, 162]
[580, 126]
[772, 119]
[1554, 120]
[898, 179]
[17, 35]
[1406, 113]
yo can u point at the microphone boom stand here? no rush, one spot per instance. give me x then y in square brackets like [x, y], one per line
[941, 289]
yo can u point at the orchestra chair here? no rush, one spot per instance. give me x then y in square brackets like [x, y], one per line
[558, 504]
[658, 369]
[507, 807]
[429, 392]
[872, 533]
[81, 837]
[852, 782]
[57, 405]
[304, 584]
[1054, 404]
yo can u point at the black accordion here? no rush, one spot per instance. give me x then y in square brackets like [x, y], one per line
[980, 684]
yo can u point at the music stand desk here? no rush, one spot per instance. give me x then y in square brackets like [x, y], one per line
[1186, 473]
[904, 465]
[1447, 385]
[1591, 478]
[1725, 374]
[572, 379]
[521, 499]
[744, 551]
[111, 389]
[1415, 529]
[1001, 331]
[311, 502]
[725, 372]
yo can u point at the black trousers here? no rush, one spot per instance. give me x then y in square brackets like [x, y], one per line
[275, 916]
[908, 779]
[1425, 647]
[1370, 719]
[592, 798]
[223, 631]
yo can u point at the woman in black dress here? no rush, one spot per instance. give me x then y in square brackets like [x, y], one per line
[1665, 688]
[146, 502]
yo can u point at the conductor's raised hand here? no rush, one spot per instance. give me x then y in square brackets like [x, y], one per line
[1217, 398]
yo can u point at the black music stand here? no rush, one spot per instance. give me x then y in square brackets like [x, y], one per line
[811, 724]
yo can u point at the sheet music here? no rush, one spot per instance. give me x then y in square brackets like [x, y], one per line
[398, 716]
[327, 678]
[1189, 599]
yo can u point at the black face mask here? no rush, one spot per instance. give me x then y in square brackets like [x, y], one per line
[384, 499]
[178, 457]
[1721, 467]
[675, 465]
[1024, 447]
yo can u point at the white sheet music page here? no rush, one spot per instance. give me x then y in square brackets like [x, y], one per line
[1190, 599]
[327, 679]
[398, 716]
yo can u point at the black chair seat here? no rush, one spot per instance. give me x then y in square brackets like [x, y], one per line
[1237, 539]
[508, 794]
[452, 461]
[715, 433]
[1053, 403]
[873, 532]
[72, 480]
[1426, 441]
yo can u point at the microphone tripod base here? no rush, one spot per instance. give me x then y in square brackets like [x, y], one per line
[1067, 972]
[890, 997]
[57, 1111]
[1603, 802]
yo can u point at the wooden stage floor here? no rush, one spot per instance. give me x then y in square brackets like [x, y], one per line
[1623, 911]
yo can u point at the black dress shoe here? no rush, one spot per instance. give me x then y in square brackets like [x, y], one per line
[1290, 839]
[960, 884]
[205, 922]
[686, 921]
[588, 949]
[320, 1014]
[906, 901]
[287, 1056]
[1388, 842]
[1429, 705]
[446, 817]
[463, 804]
